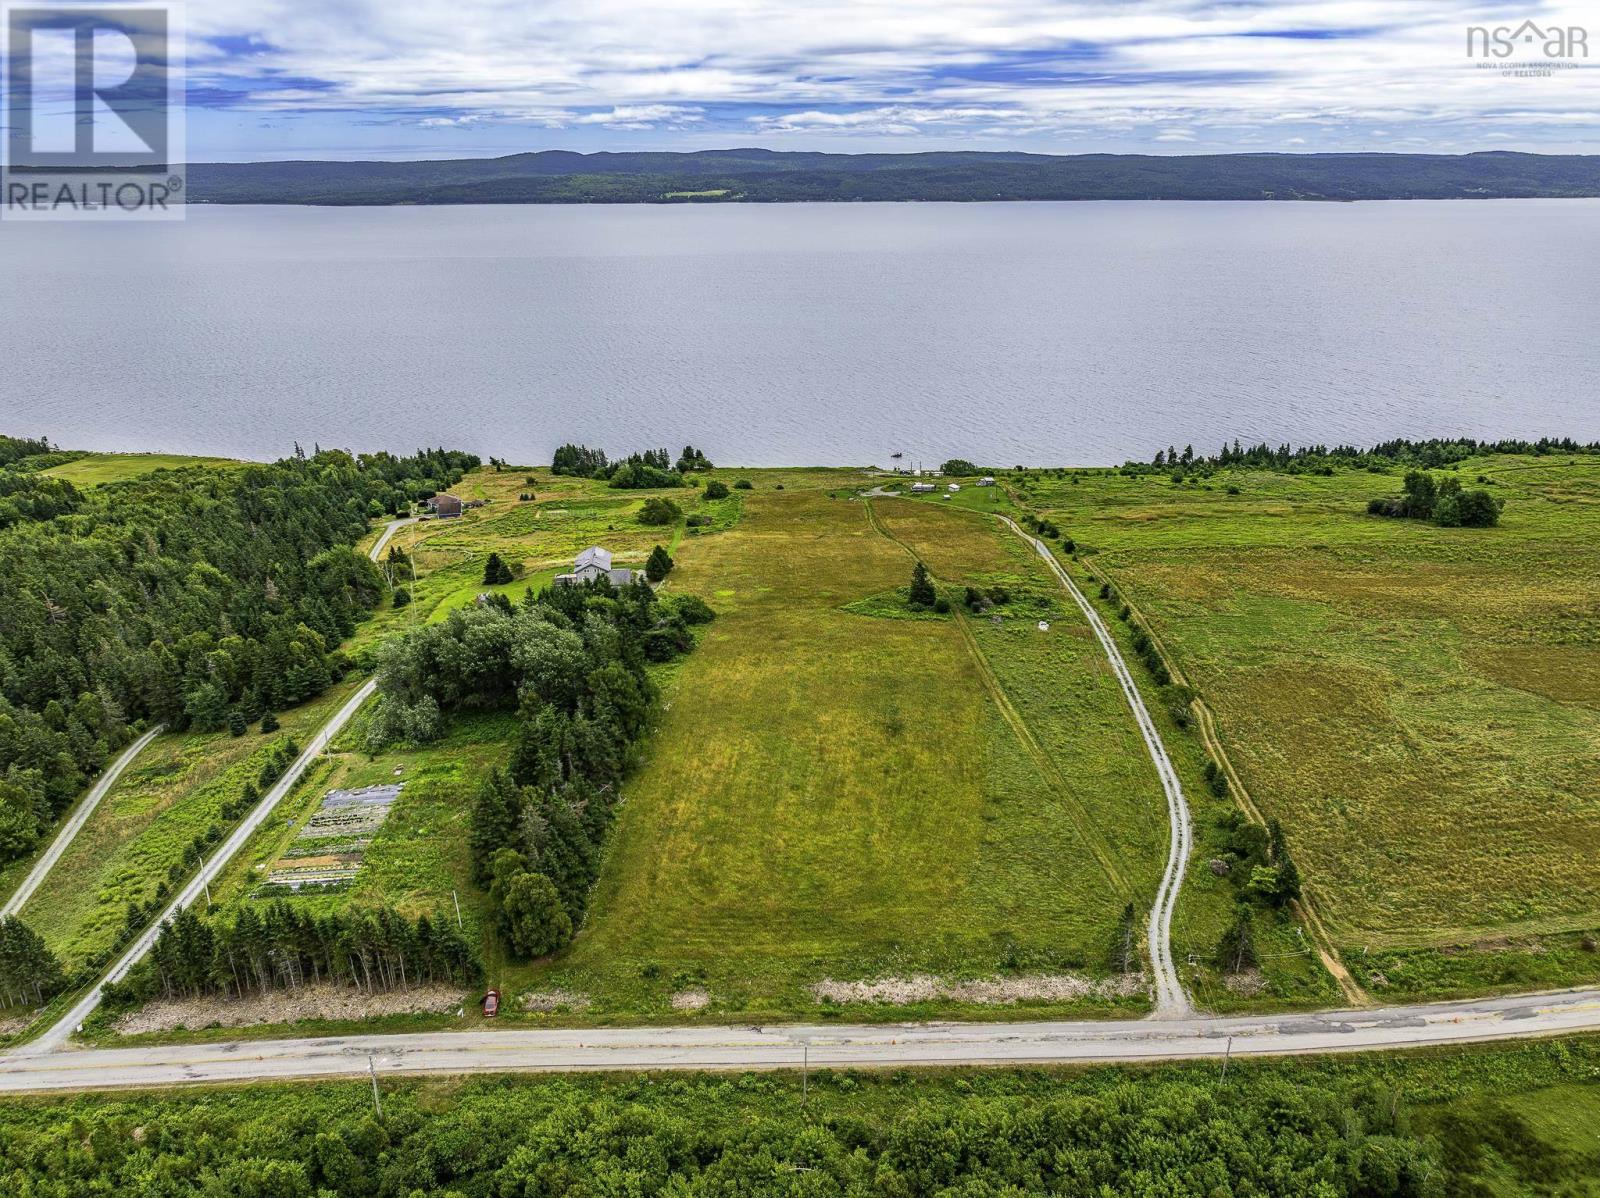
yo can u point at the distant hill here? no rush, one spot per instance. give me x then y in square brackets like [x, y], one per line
[768, 176]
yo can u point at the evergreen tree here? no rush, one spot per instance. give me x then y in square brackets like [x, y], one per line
[1125, 947]
[922, 593]
[659, 565]
[496, 571]
[1236, 951]
[494, 821]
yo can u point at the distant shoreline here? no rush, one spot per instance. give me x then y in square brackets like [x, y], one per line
[750, 176]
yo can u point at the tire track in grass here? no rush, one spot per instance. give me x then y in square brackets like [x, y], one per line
[1104, 854]
[1172, 1001]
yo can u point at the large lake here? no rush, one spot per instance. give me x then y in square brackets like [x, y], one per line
[808, 333]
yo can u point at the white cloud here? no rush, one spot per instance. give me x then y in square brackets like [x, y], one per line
[1156, 70]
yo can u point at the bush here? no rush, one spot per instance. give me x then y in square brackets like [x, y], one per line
[269, 723]
[716, 489]
[744, 484]
[692, 609]
[1216, 779]
[236, 723]
[942, 605]
[658, 511]
[401, 597]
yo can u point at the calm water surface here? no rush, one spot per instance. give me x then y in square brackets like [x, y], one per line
[805, 333]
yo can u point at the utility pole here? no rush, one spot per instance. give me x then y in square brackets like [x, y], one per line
[1226, 1057]
[373, 1070]
[457, 900]
[805, 1074]
[207, 885]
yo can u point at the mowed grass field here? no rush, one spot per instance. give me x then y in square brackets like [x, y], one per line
[835, 795]
[1419, 706]
[97, 469]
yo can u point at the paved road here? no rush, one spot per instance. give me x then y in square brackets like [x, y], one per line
[394, 527]
[1171, 1000]
[884, 1046]
[70, 829]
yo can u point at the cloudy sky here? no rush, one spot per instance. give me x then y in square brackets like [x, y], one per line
[408, 78]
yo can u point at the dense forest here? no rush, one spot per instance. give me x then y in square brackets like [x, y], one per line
[766, 176]
[573, 662]
[186, 596]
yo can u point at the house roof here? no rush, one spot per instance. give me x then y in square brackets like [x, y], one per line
[595, 556]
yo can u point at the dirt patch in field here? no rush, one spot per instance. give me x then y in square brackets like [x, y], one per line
[1248, 982]
[691, 1000]
[554, 1000]
[1054, 987]
[10, 1025]
[287, 1006]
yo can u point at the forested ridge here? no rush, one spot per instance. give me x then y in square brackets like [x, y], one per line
[185, 596]
[767, 176]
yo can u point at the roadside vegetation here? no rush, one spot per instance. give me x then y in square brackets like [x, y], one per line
[1465, 1122]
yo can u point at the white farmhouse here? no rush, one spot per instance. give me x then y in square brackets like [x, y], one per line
[921, 488]
[594, 563]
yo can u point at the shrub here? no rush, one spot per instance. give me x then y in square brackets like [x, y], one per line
[269, 723]
[744, 484]
[236, 723]
[692, 609]
[658, 511]
[401, 597]
[942, 605]
[716, 489]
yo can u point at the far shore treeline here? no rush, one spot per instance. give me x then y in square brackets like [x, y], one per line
[768, 176]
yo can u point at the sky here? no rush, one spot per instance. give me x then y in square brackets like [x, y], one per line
[456, 78]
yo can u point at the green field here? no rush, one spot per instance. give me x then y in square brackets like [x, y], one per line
[839, 796]
[1418, 705]
[97, 469]
[171, 793]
